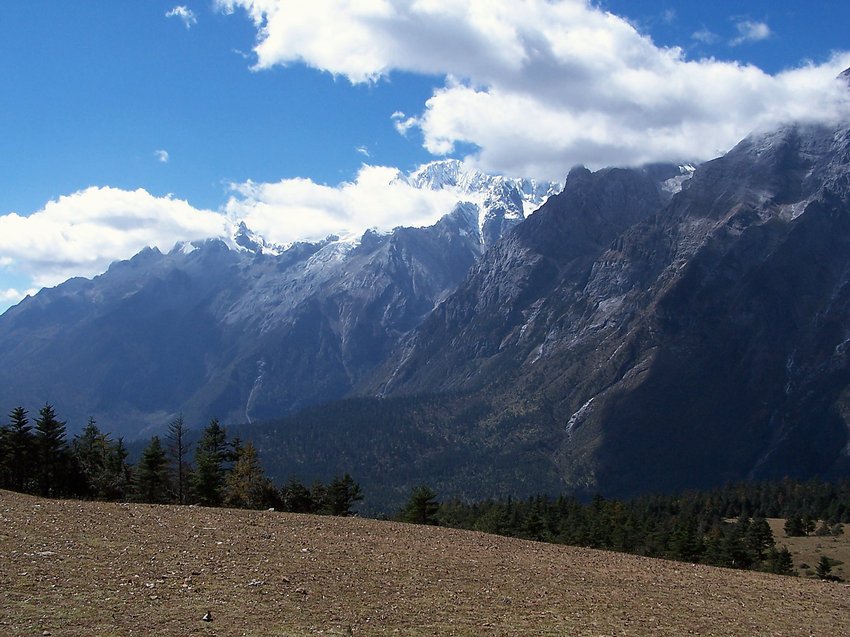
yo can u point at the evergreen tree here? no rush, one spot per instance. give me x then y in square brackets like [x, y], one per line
[178, 449]
[759, 538]
[210, 455]
[421, 507]
[117, 477]
[824, 568]
[296, 497]
[246, 485]
[780, 562]
[794, 526]
[341, 495]
[51, 453]
[18, 451]
[686, 542]
[91, 451]
[318, 496]
[152, 483]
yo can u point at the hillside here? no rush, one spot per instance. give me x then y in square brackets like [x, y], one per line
[76, 568]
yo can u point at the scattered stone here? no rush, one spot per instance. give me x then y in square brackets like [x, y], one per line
[207, 617]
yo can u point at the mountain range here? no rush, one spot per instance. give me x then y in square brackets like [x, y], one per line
[648, 329]
[240, 328]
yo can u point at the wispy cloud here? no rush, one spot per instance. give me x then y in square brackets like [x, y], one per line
[402, 122]
[751, 31]
[161, 155]
[363, 151]
[539, 90]
[186, 15]
[705, 36]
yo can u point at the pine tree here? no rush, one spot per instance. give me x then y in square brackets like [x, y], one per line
[19, 451]
[759, 538]
[178, 449]
[117, 474]
[794, 526]
[824, 568]
[51, 452]
[210, 455]
[91, 450]
[780, 562]
[246, 485]
[296, 498]
[151, 480]
[421, 507]
[341, 495]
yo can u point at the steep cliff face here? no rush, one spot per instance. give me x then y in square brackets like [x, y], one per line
[495, 320]
[663, 346]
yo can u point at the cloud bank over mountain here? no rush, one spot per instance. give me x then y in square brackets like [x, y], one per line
[540, 86]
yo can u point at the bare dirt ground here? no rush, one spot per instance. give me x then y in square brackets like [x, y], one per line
[77, 568]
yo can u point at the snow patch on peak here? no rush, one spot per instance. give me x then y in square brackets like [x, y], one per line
[501, 202]
[675, 184]
[245, 239]
[184, 247]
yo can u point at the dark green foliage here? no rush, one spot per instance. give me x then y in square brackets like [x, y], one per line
[693, 527]
[53, 459]
[780, 562]
[152, 483]
[118, 472]
[101, 464]
[17, 452]
[296, 498]
[421, 507]
[211, 452]
[759, 538]
[794, 526]
[340, 496]
[824, 568]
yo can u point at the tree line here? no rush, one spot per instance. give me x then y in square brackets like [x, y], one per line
[37, 458]
[722, 527]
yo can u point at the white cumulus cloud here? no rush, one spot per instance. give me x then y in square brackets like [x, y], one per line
[82, 233]
[543, 85]
[161, 156]
[300, 209]
[186, 15]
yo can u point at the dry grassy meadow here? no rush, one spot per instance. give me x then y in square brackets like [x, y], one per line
[80, 568]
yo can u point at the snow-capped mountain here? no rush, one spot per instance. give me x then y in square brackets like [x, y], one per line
[501, 202]
[240, 327]
[645, 329]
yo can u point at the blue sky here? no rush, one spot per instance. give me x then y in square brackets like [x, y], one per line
[128, 123]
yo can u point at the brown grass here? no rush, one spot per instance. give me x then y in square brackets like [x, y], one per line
[74, 568]
[806, 551]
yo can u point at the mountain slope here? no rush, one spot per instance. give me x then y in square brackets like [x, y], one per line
[265, 573]
[694, 343]
[241, 329]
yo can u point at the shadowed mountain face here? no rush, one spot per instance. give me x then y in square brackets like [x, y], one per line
[658, 347]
